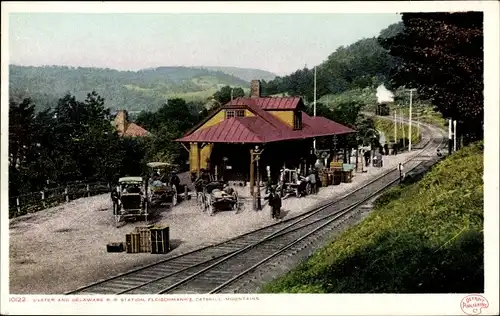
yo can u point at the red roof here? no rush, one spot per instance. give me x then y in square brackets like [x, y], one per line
[269, 103]
[257, 129]
[250, 129]
[135, 130]
[321, 126]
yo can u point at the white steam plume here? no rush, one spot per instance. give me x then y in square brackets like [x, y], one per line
[384, 95]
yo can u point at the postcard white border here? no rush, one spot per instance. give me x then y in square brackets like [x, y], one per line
[283, 304]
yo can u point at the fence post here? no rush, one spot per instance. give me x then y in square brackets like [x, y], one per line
[43, 198]
[88, 191]
[18, 206]
[66, 194]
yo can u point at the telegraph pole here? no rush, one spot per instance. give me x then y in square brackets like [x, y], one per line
[449, 137]
[402, 128]
[454, 135]
[314, 140]
[395, 128]
[257, 202]
[409, 125]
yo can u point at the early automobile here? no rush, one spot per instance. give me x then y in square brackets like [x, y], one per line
[216, 195]
[130, 199]
[164, 184]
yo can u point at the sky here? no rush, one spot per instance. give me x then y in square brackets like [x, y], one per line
[280, 43]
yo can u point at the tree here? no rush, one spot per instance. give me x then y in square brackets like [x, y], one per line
[442, 56]
[223, 96]
[21, 129]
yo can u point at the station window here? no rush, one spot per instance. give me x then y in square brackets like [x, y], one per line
[297, 120]
[229, 114]
[233, 113]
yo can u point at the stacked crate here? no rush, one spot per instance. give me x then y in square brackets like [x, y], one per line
[324, 178]
[132, 242]
[151, 239]
[138, 240]
[160, 239]
[336, 168]
[145, 238]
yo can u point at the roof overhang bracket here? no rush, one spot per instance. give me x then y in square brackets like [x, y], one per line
[185, 147]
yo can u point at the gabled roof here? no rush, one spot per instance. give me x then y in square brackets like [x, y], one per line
[255, 129]
[321, 126]
[250, 129]
[270, 103]
[134, 130]
[263, 127]
[254, 105]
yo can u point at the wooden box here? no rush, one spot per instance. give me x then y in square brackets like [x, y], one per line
[324, 180]
[336, 165]
[145, 238]
[337, 177]
[346, 176]
[114, 247]
[132, 242]
[160, 240]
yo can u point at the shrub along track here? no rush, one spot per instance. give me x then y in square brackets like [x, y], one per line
[216, 268]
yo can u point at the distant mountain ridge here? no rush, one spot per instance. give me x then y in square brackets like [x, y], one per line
[247, 74]
[145, 89]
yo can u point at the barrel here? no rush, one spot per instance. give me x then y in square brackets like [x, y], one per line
[337, 177]
[324, 179]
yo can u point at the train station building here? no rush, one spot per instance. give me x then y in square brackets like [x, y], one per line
[225, 140]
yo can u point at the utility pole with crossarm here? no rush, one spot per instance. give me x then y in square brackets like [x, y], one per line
[256, 157]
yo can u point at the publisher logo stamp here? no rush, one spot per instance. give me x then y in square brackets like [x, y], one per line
[473, 304]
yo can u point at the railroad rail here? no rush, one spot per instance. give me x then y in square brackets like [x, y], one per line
[214, 268]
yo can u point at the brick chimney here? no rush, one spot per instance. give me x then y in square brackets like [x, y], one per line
[255, 89]
[121, 121]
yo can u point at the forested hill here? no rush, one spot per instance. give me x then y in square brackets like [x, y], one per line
[247, 74]
[360, 65]
[145, 89]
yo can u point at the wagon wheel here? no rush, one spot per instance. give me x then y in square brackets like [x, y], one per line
[308, 188]
[146, 210]
[298, 194]
[117, 220]
[115, 208]
[199, 200]
[211, 208]
[203, 201]
[174, 196]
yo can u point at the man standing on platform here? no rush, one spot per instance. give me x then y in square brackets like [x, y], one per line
[274, 202]
[312, 180]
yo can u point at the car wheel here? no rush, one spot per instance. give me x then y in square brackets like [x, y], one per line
[308, 189]
[174, 196]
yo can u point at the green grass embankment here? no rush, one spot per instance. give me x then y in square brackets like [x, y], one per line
[387, 127]
[423, 112]
[422, 237]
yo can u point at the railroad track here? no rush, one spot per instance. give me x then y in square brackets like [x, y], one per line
[214, 268]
